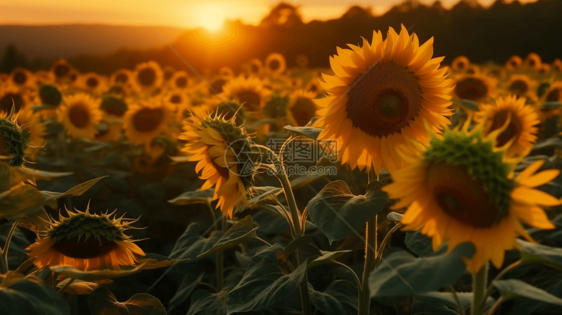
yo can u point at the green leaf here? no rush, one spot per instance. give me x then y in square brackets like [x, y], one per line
[326, 257]
[264, 284]
[20, 200]
[240, 232]
[184, 291]
[191, 244]
[194, 197]
[204, 302]
[554, 142]
[513, 289]
[423, 308]
[467, 104]
[551, 105]
[420, 244]
[298, 241]
[36, 221]
[548, 280]
[263, 195]
[541, 254]
[102, 302]
[339, 298]
[309, 132]
[335, 207]
[30, 296]
[77, 190]
[402, 274]
[18, 243]
[448, 299]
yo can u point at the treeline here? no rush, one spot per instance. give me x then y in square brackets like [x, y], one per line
[481, 34]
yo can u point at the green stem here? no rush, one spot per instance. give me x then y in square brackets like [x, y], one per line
[496, 306]
[478, 288]
[357, 280]
[364, 301]
[4, 252]
[500, 275]
[459, 304]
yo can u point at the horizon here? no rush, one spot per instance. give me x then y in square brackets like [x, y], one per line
[211, 15]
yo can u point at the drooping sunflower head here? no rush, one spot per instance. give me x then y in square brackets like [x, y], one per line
[225, 158]
[461, 189]
[49, 95]
[145, 120]
[460, 63]
[180, 80]
[381, 95]
[513, 62]
[517, 120]
[11, 96]
[275, 64]
[114, 106]
[14, 140]
[476, 87]
[80, 115]
[87, 242]
[249, 92]
[533, 61]
[301, 108]
[30, 121]
[147, 76]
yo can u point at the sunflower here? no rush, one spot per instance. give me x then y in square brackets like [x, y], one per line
[86, 241]
[255, 67]
[121, 77]
[80, 115]
[216, 144]
[462, 189]
[168, 73]
[522, 85]
[533, 61]
[12, 96]
[275, 64]
[383, 94]
[217, 85]
[179, 81]
[22, 78]
[460, 63]
[92, 82]
[513, 62]
[14, 140]
[226, 72]
[557, 65]
[301, 108]
[147, 76]
[520, 132]
[31, 122]
[250, 92]
[554, 92]
[177, 100]
[61, 69]
[145, 120]
[544, 69]
[475, 87]
[314, 87]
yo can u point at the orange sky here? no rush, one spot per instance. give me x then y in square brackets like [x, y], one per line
[181, 13]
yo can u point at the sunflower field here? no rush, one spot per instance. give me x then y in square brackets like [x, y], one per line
[389, 183]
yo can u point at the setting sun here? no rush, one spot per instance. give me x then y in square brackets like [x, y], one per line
[211, 16]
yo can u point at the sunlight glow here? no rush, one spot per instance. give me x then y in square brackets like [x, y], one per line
[211, 16]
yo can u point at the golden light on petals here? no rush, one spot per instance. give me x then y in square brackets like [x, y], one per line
[147, 76]
[145, 120]
[80, 115]
[460, 63]
[275, 64]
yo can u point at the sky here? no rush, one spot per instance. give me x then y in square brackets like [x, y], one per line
[209, 14]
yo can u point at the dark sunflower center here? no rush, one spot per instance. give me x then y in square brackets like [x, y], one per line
[181, 82]
[121, 78]
[9, 100]
[384, 100]
[274, 64]
[519, 87]
[461, 196]
[554, 95]
[532, 62]
[254, 67]
[92, 82]
[148, 119]
[471, 89]
[61, 71]
[20, 77]
[512, 130]
[461, 65]
[79, 115]
[147, 76]
[217, 85]
[514, 63]
[303, 111]
[176, 99]
[251, 100]
[313, 88]
[168, 74]
[84, 249]
[471, 71]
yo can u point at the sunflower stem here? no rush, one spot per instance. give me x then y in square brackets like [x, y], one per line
[496, 305]
[4, 252]
[500, 275]
[478, 286]
[371, 228]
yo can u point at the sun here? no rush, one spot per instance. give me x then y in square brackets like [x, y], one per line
[211, 16]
